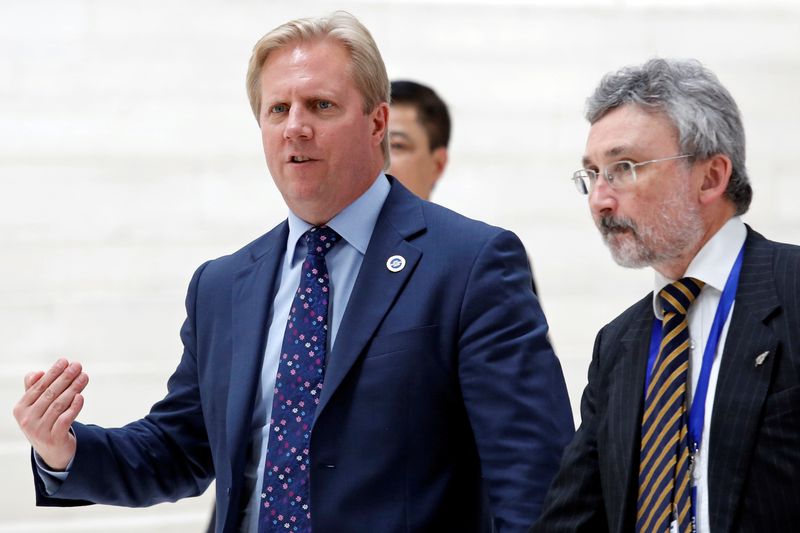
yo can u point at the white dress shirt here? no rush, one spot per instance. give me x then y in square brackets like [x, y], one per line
[711, 265]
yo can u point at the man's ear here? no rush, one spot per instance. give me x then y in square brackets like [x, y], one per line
[380, 122]
[440, 157]
[716, 175]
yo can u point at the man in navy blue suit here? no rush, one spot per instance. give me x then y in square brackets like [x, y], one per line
[441, 395]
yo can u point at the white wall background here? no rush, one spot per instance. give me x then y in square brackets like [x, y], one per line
[128, 156]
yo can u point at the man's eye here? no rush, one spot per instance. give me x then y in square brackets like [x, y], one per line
[324, 104]
[279, 108]
[619, 168]
[398, 146]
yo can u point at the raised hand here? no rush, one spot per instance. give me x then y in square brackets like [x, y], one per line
[47, 409]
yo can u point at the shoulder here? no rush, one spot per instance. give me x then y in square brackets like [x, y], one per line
[757, 244]
[786, 255]
[227, 266]
[419, 220]
[763, 255]
[442, 219]
[448, 229]
[441, 232]
[636, 320]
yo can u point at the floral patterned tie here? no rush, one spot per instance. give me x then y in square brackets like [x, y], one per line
[285, 497]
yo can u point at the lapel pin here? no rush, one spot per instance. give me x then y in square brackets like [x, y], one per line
[761, 357]
[396, 263]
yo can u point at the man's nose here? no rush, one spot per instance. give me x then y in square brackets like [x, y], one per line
[298, 125]
[602, 198]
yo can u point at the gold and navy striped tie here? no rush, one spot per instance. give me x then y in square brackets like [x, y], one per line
[664, 484]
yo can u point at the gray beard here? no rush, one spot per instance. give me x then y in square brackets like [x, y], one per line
[673, 230]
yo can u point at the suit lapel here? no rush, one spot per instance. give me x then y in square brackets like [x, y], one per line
[625, 413]
[742, 385]
[376, 287]
[253, 292]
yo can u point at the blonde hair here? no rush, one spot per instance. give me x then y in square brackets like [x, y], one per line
[367, 67]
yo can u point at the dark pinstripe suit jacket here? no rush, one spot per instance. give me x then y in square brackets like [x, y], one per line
[754, 460]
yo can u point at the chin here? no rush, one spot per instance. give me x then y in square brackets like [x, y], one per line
[627, 254]
[304, 187]
[628, 261]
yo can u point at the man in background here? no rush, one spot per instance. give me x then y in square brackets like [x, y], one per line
[372, 363]
[691, 417]
[419, 133]
[419, 136]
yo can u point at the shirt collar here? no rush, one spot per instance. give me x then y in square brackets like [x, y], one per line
[713, 263]
[354, 223]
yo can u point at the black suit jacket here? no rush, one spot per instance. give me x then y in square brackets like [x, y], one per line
[754, 457]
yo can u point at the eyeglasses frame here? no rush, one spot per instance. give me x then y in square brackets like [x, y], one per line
[577, 178]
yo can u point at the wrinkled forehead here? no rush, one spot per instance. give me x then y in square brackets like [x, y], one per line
[629, 129]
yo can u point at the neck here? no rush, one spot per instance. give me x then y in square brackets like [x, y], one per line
[676, 268]
[321, 210]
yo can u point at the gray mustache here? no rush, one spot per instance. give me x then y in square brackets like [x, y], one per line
[610, 224]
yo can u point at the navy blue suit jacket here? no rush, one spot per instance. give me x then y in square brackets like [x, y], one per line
[754, 456]
[441, 385]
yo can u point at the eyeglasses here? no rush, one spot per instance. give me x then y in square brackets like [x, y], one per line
[618, 175]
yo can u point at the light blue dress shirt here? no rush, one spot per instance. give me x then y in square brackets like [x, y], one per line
[355, 225]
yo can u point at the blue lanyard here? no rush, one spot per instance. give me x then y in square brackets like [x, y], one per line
[697, 410]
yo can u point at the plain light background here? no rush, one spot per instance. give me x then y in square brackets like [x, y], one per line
[128, 155]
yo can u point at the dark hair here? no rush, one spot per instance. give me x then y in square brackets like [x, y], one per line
[703, 111]
[431, 110]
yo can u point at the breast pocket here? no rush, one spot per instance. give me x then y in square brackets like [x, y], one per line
[782, 404]
[422, 338]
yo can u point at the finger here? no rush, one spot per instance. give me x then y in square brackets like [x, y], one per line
[65, 419]
[36, 389]
[31, 378]
[54, 390]
[64, 401]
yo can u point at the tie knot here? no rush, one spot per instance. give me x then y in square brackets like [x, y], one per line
[677, 297]
[320, 240]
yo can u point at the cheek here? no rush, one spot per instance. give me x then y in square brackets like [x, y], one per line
[400, 159]
[347, 146]
[412, 159]
[639, 206]
[271, 154]
[408, 161]
[268, 140]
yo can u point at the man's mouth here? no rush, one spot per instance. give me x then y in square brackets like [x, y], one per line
[299, 159]
[610, 225]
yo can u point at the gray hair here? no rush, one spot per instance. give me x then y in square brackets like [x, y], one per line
[703, 111]
[367, 67]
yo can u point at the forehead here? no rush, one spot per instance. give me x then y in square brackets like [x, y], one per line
[404, 115]
[404, 122]
[320, 63]
[630, 129]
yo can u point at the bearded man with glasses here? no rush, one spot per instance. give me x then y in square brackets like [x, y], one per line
[691, 417]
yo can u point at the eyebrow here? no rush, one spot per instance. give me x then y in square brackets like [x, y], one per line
[611, 152]
[399, 134]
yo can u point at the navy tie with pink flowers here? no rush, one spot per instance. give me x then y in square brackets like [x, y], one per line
[285, 497]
